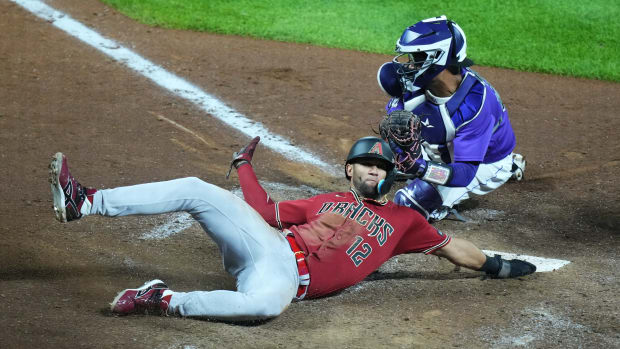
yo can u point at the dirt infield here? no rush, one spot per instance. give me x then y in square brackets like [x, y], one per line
[56, 280]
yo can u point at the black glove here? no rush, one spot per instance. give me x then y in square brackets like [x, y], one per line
[243, 156]
[499, 268]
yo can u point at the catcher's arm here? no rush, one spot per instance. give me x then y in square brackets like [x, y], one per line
[402, 130]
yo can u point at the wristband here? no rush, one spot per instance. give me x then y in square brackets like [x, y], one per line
[238, 163]
[437, 173]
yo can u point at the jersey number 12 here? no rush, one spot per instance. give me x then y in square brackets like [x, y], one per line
[358, 255]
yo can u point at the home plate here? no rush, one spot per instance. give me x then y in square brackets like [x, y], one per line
[542, 264]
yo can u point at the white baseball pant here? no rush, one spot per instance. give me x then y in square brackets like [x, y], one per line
[256, 254]
[488, 178]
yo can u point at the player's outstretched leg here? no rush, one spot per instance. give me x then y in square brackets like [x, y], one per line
[71, 200]
[152, 298]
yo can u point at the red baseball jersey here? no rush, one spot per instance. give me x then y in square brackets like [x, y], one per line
[344, 237]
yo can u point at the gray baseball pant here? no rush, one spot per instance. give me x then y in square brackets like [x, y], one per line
[256, 254]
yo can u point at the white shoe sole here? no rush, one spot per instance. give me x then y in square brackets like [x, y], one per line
[143, 287]
[57, 192]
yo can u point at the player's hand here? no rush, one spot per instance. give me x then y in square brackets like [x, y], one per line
[513, 268]
[243, 156]
[419, 167]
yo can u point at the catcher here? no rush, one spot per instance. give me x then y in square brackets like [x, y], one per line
[321, 245]
[460, 120]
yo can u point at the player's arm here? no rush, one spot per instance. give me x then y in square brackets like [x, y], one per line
[456, 174]
[423, 237]
[403, 131]
[279, 215]
[255, 195]
[471, 143]
[253, 192]
[464, 253]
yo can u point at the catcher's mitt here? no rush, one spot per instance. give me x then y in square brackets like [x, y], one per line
[402, 130]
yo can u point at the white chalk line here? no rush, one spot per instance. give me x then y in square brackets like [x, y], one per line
[176, 223]
[176, 85]
[200, 98]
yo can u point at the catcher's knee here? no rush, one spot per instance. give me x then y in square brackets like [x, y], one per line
[420, 196]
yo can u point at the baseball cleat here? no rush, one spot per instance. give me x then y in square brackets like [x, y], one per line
[154, 296]
[518, 167]
[71, 200]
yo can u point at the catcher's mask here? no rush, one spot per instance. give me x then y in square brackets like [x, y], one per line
[424, 50]
[374, 148]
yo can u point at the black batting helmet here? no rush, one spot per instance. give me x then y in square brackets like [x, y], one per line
[371, 148]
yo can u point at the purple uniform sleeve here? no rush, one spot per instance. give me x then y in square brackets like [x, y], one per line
[462, 173]
[472, 140]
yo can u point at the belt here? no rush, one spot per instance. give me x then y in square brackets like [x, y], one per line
[302, 268]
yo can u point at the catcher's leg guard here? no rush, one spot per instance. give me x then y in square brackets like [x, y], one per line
[420, 196]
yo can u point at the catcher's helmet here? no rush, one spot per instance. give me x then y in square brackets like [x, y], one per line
[374, 148]
[424, 50]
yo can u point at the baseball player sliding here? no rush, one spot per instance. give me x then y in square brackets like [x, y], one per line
[278, 252]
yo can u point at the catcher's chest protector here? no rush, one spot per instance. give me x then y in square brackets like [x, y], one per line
[442, 117]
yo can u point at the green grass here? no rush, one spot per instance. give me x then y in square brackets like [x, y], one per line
[570, 37]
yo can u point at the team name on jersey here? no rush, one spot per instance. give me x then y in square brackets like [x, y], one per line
[376, 226]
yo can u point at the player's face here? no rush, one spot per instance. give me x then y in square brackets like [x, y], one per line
[365, 176]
